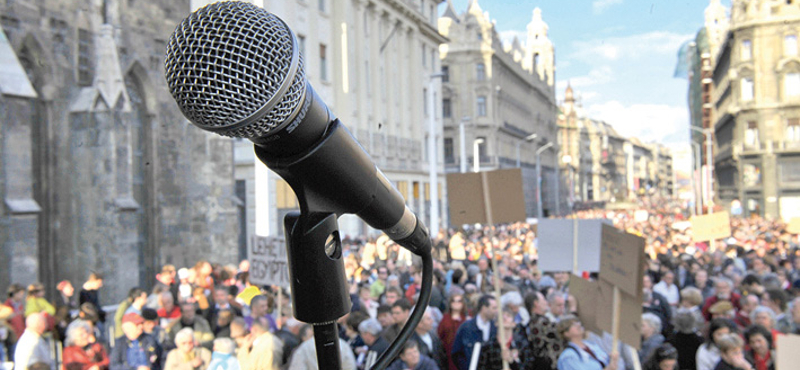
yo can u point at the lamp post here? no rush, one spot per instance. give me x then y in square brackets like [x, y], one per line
[528, 138]
[539, 179]
[433, 173]
[476, 160]
[698, 208]
[462, 144]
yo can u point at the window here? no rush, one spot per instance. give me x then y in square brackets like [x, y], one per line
[791, 85]
[751, 134]
[482, 106]
[424, 57]
[301, 42]
[445, 74]
[747, 89]
[321, 5]
[790, 45]
[480, 71]
[85, 58]
[449, 153]
[747, 50]
[323, 63]
[446, 108]
[480, 35]
[433, 59]
[367, 79]
[482, 155]
[535, 60]
[793, 130]
[425, 101]
[433, 16]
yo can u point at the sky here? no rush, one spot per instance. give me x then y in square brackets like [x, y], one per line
[619, 56]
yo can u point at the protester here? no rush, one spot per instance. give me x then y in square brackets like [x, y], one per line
[260, 350]
[80, 353]
[480, 329]
[452, 319]
[224, 355]
[411, 358]
[90, 293]
[32, 349]
[761, 353]
[579, 354]
[665, 357]
[370, 331]
[708, 354]
[731, 354]
[187, 356]
[686, 339]
[135, 350]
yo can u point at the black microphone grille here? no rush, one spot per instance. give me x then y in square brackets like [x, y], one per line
[235, 69]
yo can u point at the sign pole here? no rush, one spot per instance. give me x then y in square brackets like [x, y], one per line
[501, 331]
[615, 321]
[280, 304]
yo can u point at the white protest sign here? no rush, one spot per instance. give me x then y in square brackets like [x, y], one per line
[268, 263]
[556, 243]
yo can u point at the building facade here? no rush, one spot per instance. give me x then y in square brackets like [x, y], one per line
[371, 61]
[756, 116]
[498, 103]
[99, 170]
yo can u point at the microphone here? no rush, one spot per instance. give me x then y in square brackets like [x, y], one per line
[235, 69]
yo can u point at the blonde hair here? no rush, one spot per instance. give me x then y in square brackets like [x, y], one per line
[729, 342]
[692, 295]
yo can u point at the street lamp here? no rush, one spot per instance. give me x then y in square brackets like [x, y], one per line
[567, 159]
[698, 208]
[433, 173]
[528, 138]
[709, 164]
[462, 143]
[539, 179]
[476, 161]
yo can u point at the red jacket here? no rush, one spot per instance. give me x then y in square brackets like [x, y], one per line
[77, 358]
[17, 323]
[713, 299]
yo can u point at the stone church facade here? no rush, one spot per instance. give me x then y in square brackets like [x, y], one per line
[99, 171]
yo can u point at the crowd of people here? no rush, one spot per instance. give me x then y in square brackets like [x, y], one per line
[706, 306]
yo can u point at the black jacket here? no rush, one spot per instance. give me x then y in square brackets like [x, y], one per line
[119, 355]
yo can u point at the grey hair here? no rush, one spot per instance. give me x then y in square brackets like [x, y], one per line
[371, 326]
[761, 309]
[184, 333]
[553, 295]
[512, 297]
[652, 320]
[224, 345]
[723, 279]
[72, 332]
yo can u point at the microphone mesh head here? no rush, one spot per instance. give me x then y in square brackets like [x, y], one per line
[228, 60]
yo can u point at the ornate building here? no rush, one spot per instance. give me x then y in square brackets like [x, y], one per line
[756, 109]
[498, 103]
[99, 171]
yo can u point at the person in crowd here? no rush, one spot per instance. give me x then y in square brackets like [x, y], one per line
[557, 304]
[411, 358]
[260, 350]
[221, 302]
[366, 303]
[452, 319]
[777, 300]
[749, 303]
[65, 304]
[150, 327]
[764, 316]
[761, 353]
[651, 334]
[190, 319]
[655, 303]
[32, 348]
[579, 354]
[493, 353]
[731, 353]
[701, 282]
[224, 355]
[16, 300]
[708, 354]
[135, 350]
[165, 282]
[539, 340]
[188, 355]
[667, 288]
[80, 353]
[790, 323]
[259, 307]
[723, 292]
[167, 311]
[686, 339]
[222, 325]
[36, 303]
[370, 331]
[477, 330]
[377, 287]
[400, 311]
[305, 356]
[135, 295]
[289, 335]
[665, 357]
[691, 299]
[392, 293]
[429, 343]
[90, 292]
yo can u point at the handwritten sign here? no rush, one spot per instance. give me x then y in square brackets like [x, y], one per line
[557, 242]
[268, 264]
[621, 258]
[787, 356]
[711, 227]
[794, 226]
[641, 215]
[630, 318]
[586, 292]
[467, 204]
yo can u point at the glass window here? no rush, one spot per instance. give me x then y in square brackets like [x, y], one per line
[425, 101]
[447, 110]
[449, 152]
[85, 57]
[751, 134]
[480, 71]
[424, 57]
[445, 74]
[751, 175]
[790, 45]
[747, 50]
[301, 42]
[323, 63]
[481, 106]
[791, 84]
[747, 89]
[321, 5]
[793, 130]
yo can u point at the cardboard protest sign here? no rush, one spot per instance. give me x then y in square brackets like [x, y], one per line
[711, 227]
[586, 292]
[788, 356]
[556, 241]
[621, 260]
[641, 215]
[630, 325]
[794, 226]
[466, 200]
[268, 264]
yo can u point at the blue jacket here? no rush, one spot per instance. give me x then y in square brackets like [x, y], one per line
[468, 334]
[425, 363]
[119, 355]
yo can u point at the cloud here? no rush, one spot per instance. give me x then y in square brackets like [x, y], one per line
[597, 76]
[629, 47]
[599, 6]
[661, 123]
[507, 37]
